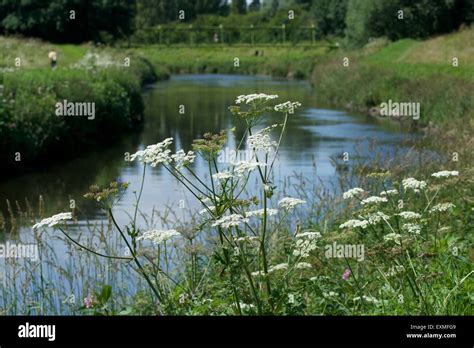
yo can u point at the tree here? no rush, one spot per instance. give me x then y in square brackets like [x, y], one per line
[239, 6]
[330, 16]
[254, 5]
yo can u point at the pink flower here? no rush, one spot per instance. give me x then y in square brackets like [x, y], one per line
[89, 301]
[346, 274]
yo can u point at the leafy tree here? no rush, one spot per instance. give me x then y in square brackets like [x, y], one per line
[330, 16]
[239, 6]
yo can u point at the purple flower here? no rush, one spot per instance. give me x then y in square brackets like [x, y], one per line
[346, 274]
[89, 301]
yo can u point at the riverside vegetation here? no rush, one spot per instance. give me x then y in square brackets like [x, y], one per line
[414, 220]
[243, 253]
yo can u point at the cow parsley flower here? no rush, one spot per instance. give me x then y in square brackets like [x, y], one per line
[376, 217]
[261, 140]
[243, 167]
[182, 158]
[230, 221]
[354, 224]
[309, 235]
[412, 228]
[413, 184]
[445, 174]
[159, 236]
[154, 154]
[303, 265]
[395, 237]
[252, 98]
[279, 267]
[260, 212]
[305, 243]
[287, 107]
[409, 215]
[442, 207]
[354, 192]
[368, 299]
[53, 220]
[374, 199]
[288, 203]
[389, 192]
[224, 175]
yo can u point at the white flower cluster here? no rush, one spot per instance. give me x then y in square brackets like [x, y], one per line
[224, 175]
[394, 270]
[260, 212]
[261, 140]
[182, 158]
[305, 243]
[159, 236]
[374, 199]
[287, 107]
[53, 220]
[395, 237]
[445, 174]
[354, 192]
[409, 215]
[249, 98]
[376, 217]
[288, 203]
[389, 192]
[413, 184]
[303, 265]
[354, 223]
[279, 267]
[243, 167]
[442, 207]
[154, 154]
[230, 221]
[412, 228]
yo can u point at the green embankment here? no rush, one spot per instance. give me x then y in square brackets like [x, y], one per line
[404, 71]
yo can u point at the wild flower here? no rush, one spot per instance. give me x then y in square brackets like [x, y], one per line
[258, 274]
[244, 167]
[53, 220]
[389, 192]
[442, 207]
[261, 140]
[309, 235]
[159, 236]
[409, 215]
[346, 274]
[304, 245]
[376, 217]
[303, 265]
[154, 154]
[412, 228]
[260, 212]
[354, 192]
[287, 107]
[413, 184]
[445, 174]
[89, 301]
[246, 306]
[224, 175]
[278, 267]
[288, 203]
[252, 98]
[182, 158]
[230, 221]
[354, 224]
[394, 237]
[373, 199]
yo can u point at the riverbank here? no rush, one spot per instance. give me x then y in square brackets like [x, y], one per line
[436, 73]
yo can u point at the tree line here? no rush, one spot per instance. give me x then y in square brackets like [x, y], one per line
[108, 20]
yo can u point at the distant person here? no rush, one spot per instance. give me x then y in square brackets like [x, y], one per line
[216, 38]
[53, 58]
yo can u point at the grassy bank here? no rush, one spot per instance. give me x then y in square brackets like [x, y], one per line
[30, 129]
